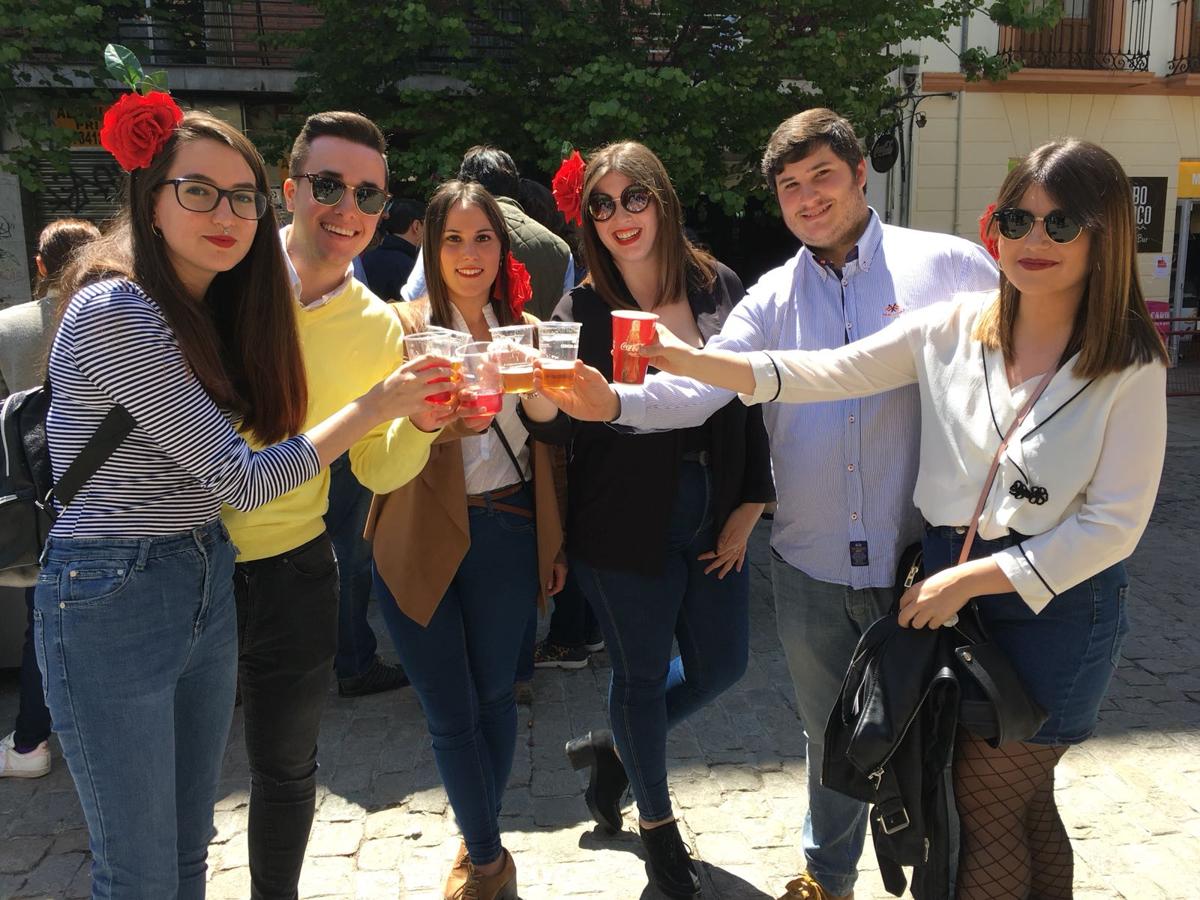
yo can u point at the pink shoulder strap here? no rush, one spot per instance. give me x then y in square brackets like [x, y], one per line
[991, 475]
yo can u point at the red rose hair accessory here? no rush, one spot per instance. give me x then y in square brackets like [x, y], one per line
[140, 123]
[990, 242]
[520, 287]
[567, 188]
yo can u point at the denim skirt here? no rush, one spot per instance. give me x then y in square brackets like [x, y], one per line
[1067, 653]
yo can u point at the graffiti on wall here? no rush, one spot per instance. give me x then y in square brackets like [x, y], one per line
[14, 267]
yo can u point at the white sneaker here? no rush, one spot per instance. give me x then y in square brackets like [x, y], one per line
[33, 764]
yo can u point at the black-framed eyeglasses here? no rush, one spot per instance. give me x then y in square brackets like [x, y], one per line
[328, 191]
[1014, 223]
[634, 199]
[200, 196]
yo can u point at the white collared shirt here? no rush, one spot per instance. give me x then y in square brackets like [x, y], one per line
[486, 463]
[294, 276]
[1095, 445]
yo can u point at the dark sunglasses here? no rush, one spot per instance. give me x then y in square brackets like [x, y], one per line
[634, 199]
[1014, 224]
[328, 191]
[202, 197]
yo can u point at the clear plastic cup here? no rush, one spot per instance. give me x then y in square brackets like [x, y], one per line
[439, 343]
[559, 345]
[514, 346]
[482, 387]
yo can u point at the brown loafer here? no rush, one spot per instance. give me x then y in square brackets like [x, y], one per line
[806, 887]
[459, 873]
[501, 886]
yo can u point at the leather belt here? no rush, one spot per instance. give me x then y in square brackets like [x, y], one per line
[487, 500]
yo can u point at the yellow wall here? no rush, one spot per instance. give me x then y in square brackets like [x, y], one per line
[1148, 134]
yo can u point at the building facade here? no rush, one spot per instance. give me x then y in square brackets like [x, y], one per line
[1122, 73]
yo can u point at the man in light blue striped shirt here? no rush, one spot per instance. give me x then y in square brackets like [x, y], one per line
[845, 470]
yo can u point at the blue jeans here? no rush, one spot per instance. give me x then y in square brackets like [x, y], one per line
[650, 691]
[137, 640]
[462, 666]
[349, 502]
[819, 626]
[33, 719]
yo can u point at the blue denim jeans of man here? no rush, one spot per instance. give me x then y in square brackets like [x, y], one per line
[137, 640]
[819, 626]
[462, 666]
[640, 616]
[349, 503]
[33, 719]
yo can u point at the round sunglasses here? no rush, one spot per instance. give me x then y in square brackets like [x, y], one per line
[1014, 223]
[634, 199]
[328, 191]
[202, 197]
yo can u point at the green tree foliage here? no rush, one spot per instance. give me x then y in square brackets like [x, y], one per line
[703, 86]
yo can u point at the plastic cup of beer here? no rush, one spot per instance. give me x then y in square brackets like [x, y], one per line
[439, 343]
[631, 330]
[559, 343]
[513, 345]
[482, 388]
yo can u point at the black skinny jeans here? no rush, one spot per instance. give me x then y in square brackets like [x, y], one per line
[287, 608]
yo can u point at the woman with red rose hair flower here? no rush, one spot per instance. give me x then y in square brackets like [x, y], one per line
[180, 322]
[658, 523]
[462, 551]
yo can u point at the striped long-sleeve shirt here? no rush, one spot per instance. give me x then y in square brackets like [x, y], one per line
[183, 457]
[845, 469]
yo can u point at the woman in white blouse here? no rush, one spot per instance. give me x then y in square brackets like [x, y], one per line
[1073, 491]
[462, 551]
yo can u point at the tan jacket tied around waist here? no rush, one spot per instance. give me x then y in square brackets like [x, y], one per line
[420, 533]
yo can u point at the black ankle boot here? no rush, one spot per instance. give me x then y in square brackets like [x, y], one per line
[672, 868]
[608, 780]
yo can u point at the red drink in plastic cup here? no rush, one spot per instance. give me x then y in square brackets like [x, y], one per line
[488, 403]
[631, 330]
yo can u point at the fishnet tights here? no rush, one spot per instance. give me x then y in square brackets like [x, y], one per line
[1014, 844]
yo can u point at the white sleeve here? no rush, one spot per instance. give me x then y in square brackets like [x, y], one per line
[414, 288]
[877, 363]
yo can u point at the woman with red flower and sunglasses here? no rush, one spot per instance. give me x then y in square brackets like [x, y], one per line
[1054, 388]
[462, 551]
[180, 321]
[658, 523]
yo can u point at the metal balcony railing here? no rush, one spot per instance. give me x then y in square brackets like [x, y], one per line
[1092, 34]
[1187, 39]
[236, 33]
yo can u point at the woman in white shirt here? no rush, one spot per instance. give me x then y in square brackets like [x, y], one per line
[462, 551]
[1073, 491]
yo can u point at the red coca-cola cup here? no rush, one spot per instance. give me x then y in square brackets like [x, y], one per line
[631, 330]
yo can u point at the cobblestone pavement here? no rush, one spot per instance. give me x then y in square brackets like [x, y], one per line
[384, 830]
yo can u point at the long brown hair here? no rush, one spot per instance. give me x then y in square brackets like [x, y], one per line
[681, 264]
[57, 245]
[1113, 328]
[241, 341]
[449, 195]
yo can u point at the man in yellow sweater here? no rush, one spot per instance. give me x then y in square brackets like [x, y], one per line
[286, 575]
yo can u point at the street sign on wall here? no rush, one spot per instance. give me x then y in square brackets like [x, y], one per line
[1149, 212]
